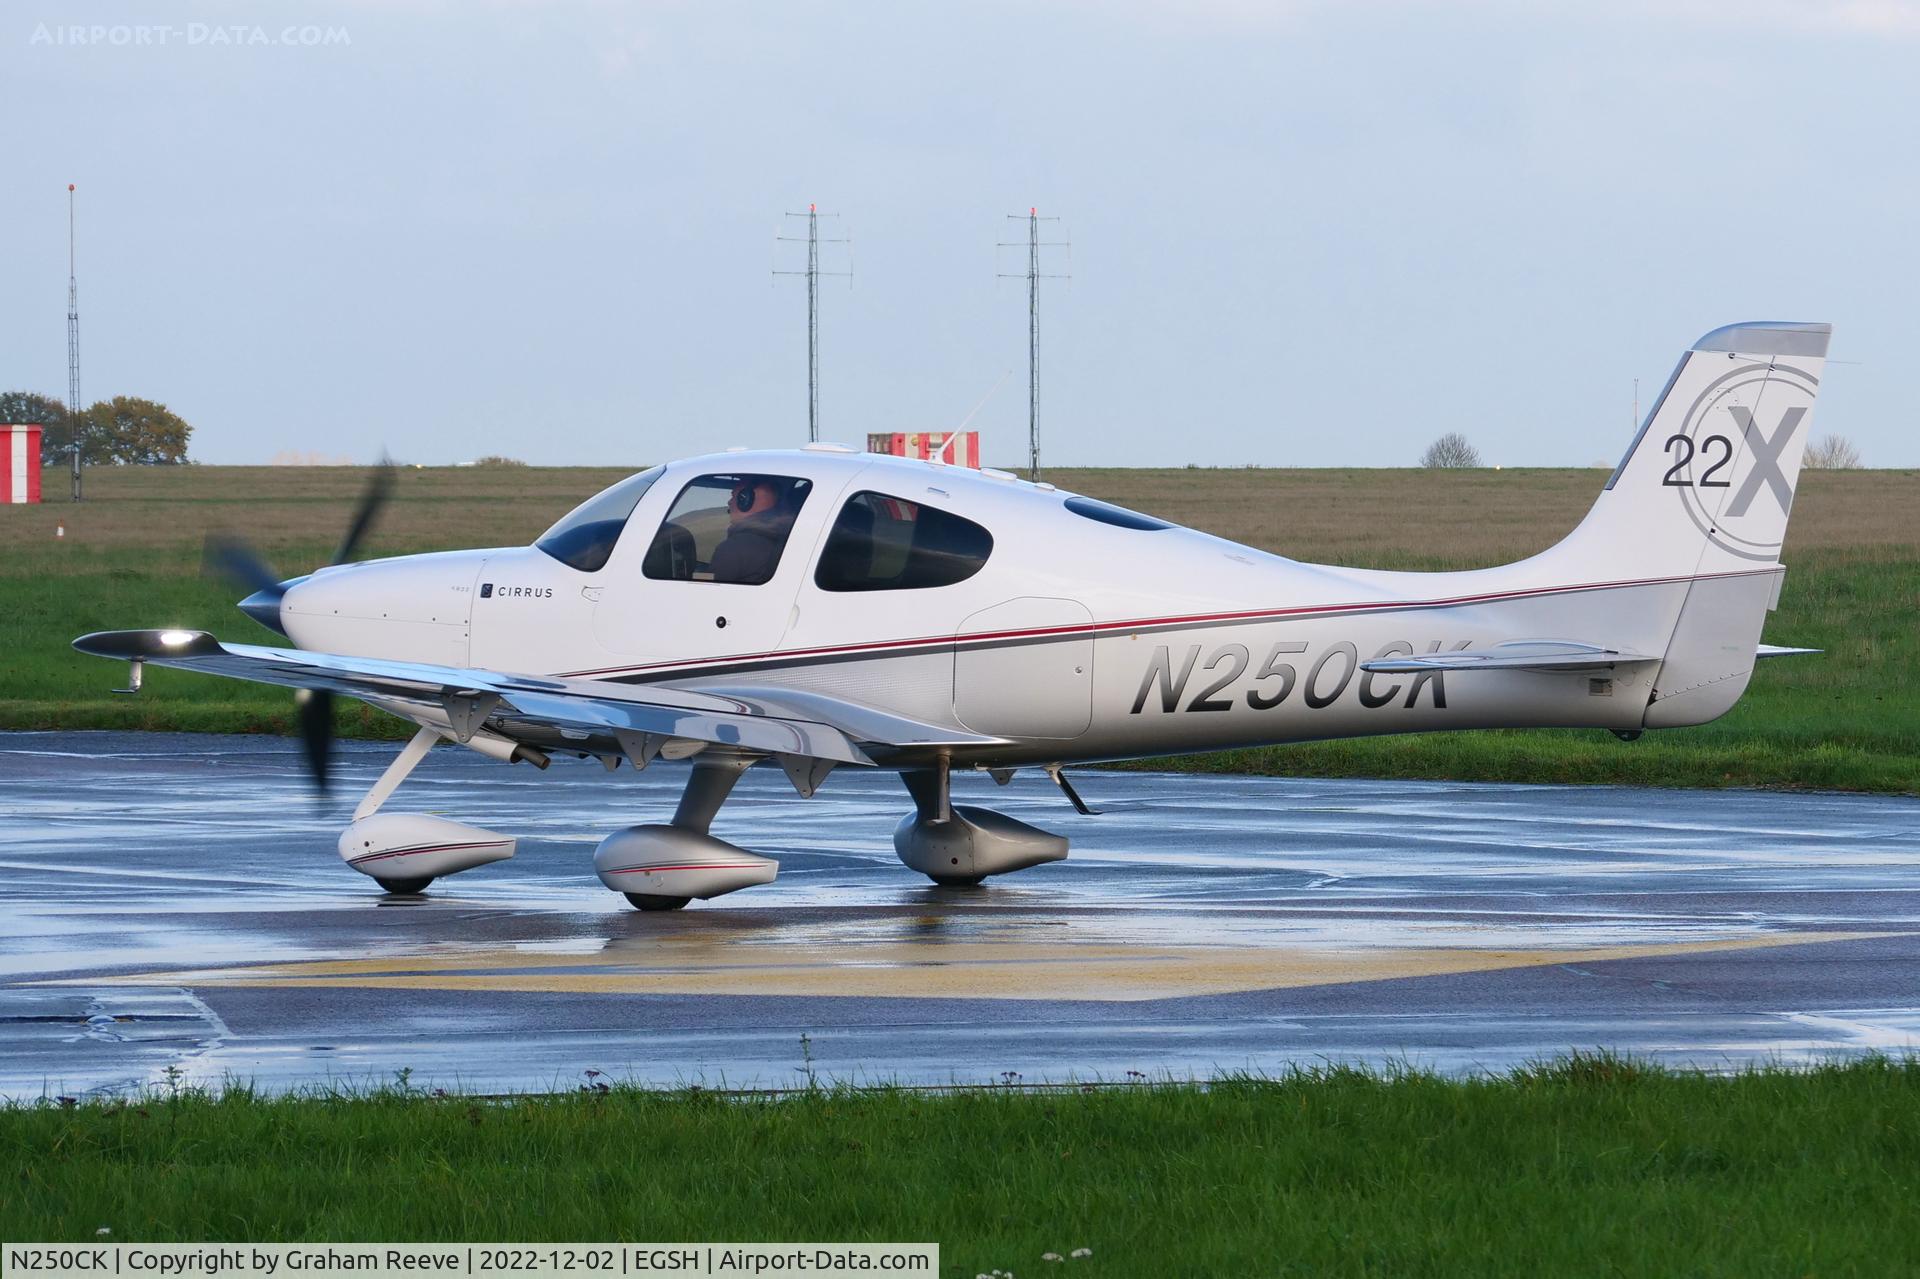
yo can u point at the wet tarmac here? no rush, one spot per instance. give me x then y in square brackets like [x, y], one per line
[174, 903]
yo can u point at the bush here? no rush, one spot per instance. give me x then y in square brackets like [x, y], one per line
[1832, 453]
[1450, 450]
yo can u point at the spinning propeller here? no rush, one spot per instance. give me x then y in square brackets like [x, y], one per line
[235, 560]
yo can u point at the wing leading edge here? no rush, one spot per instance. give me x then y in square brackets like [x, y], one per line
[771, 721]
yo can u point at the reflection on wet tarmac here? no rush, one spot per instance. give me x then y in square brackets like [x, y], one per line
[176, 900]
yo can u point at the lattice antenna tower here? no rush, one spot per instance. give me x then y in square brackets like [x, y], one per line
[1033, 275]
[813, 273]
[73, 349]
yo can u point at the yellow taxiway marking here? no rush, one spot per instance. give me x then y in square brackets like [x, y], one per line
[922, 970]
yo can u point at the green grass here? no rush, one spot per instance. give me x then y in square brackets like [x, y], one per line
[1592, 1166]
[44, 684]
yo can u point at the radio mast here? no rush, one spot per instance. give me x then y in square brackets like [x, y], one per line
[813, 274]
[73, 350]
[1033, 275]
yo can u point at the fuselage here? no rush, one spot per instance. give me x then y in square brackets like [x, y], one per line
[1078, 633]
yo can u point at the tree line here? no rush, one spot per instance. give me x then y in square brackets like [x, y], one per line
[122, 431]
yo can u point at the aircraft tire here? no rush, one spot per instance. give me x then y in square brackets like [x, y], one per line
[404, 887]
[648, 901]
[958, 881]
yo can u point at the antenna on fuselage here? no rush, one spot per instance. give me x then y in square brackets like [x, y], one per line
[946, 446]
[813, 273]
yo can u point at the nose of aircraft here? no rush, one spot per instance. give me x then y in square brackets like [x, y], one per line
[263, 606]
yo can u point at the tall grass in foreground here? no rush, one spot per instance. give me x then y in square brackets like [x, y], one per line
[1586, 1166]
[1591, 1166]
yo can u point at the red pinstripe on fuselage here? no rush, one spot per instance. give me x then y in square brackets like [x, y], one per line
[788, 657]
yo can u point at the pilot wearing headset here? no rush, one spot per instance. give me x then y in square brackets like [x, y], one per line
[759, 517]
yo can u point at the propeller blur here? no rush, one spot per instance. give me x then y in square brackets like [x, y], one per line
[234, 559]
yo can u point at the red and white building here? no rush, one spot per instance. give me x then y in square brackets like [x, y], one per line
[959, 448]
[19, 463]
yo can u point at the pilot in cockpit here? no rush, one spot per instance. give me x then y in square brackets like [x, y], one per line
[759, 517]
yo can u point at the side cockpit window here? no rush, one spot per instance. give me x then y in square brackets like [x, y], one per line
[726, 528]
[882, 543]
[584, 537]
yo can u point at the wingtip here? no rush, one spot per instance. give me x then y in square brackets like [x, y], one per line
[147, 644]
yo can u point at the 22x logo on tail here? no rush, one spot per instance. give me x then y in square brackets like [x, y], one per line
[1764, 449]
[1723, 445]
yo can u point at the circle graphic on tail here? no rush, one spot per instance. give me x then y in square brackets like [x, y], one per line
[1737, 453]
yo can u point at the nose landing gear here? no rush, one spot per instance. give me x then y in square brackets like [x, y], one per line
[405, 852]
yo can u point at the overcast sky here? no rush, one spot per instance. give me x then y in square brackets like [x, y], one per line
[1301, 233]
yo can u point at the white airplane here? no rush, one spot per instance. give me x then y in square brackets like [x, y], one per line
[821, 608]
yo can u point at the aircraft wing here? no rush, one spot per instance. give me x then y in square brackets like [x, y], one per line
[1515, 655]
[773, 721]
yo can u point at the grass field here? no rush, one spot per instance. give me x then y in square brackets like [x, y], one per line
[1591, 1166]
[1846, 719]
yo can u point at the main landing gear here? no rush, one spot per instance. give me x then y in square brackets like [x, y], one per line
[665, 867]
[960, 845]
[404, 887]
[661, 867]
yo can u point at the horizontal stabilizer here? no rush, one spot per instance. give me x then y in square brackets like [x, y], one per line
[1775, 650]
[1515, 655]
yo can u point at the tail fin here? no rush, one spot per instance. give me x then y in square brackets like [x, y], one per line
[1707, 484]
[1704, 493]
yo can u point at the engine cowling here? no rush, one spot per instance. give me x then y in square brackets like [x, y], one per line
[409, 849]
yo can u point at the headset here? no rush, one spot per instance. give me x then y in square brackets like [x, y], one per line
[786, 492]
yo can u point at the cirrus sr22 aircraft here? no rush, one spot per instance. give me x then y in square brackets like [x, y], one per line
[820, 609]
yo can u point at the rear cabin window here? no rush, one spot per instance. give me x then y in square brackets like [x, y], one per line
[882, 543]
[584, 537]
[1119, 516]
[726, 528]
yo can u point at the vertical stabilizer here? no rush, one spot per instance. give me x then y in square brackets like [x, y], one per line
[1708, 483]
[1703, 494]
